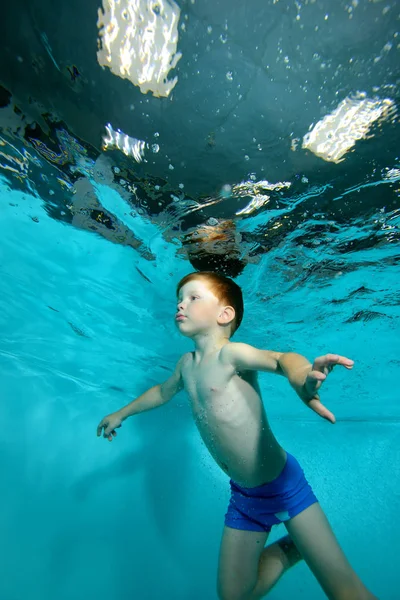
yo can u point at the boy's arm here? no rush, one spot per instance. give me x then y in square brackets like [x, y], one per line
[304, 377]
[152, 398]
[244, 357]
[157, 395]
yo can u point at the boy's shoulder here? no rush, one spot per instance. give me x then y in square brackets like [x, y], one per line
[185, 359]
[230, 349]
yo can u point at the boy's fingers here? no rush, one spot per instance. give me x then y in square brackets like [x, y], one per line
[107, 429]
[330, 360]
[326, 360]
[320, 409]
[314, 381]
[110, 434]
[317, 375]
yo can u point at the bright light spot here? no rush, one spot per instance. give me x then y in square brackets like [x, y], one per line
[257, 190]
[392, 174]
[257, 202]
[128, 145]
[336, 133]
[138, 40]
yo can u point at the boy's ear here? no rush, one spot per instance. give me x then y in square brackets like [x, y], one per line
[226, 315]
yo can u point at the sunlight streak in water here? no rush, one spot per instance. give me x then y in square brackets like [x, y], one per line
[337, 132]
[257, 191]
[128, 145]
[138, 40]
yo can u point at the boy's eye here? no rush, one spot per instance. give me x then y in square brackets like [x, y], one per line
[194, 297]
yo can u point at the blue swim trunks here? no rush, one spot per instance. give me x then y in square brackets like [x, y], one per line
[259, 508]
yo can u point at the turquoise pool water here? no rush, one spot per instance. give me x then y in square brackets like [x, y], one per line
[87, 325]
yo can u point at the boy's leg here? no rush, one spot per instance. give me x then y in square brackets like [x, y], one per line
[275, 559]
[247, 570]
[239, 557]
[315, 540]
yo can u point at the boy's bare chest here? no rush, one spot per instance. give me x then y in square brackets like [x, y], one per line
[210, 383]
[204, 379]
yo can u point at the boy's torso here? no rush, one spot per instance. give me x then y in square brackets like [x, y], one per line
[231, 419]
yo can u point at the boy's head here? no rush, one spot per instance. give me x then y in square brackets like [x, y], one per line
[208, 300]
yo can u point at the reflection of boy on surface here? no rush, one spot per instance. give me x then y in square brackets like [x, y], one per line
[217, 245]
[268, 485]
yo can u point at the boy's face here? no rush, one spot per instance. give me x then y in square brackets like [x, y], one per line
[199, 307]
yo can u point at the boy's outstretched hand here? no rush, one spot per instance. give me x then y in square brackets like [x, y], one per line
[109, 424]
[322, 366]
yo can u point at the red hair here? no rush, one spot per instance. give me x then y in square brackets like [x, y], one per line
[226, 290]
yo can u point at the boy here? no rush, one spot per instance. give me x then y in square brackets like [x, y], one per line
[267, 484]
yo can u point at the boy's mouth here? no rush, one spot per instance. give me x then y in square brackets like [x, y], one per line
[180, 317]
